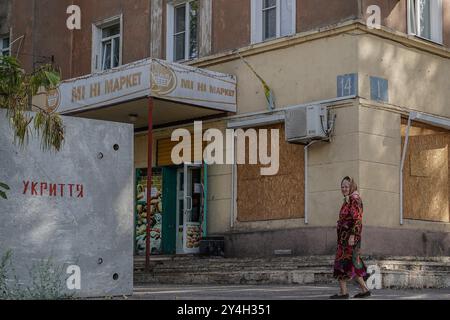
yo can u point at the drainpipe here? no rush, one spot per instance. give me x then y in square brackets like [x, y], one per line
[405, 147]
[306, 179]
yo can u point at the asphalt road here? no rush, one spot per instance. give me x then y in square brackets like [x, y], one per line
[273, 292]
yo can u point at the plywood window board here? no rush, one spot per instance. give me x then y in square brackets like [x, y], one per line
[281, 196]
[426, 174]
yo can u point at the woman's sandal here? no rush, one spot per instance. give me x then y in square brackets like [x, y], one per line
[339, 296]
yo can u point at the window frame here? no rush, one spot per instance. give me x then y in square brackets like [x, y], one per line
[2, 49]
[277, 8]
[170, 30]
[98, 40]
[185, 31]
[436, 21]
[257, 21]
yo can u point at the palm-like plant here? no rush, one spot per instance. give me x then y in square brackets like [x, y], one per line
[3, 188]
[16, 91]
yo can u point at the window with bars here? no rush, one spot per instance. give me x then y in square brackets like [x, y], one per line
[425, 19]
[4, 46]
[183, 31]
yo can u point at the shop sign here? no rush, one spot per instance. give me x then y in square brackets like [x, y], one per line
[150, 77]
[50, 189]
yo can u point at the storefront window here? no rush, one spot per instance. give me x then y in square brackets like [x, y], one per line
[141, 212]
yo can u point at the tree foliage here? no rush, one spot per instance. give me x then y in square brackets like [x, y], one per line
[16, 91]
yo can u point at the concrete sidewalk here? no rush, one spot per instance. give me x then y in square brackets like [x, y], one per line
[274, 292]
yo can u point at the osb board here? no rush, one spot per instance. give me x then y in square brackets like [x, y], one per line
[280, 196]
[420, 129]
[429, 163]
[426, 174]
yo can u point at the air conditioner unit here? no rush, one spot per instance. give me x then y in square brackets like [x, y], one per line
[306, 123]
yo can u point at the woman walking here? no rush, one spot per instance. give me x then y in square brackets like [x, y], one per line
[348, 264]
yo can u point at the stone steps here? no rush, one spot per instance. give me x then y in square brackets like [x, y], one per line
[401, 272]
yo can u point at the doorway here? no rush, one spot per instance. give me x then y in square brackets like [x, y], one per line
[190, 208]
[178, 209]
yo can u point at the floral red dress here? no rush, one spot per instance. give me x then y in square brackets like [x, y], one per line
[348, 262]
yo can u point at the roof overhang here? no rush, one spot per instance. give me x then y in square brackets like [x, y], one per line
[146, 78]
[430, 119]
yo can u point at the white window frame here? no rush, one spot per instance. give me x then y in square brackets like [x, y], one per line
[97, 41]
[436, 20]
[2, 49]
[257, 27]
[277, 21]
[170, 30]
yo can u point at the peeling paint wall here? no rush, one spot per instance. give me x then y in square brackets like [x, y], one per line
[136, 31]
[224, 25]
[393, 13]
[72, 50]
[231, 24]
[205, 34]
[58, 45]
[312, 14]
[156, 28]
[22, 26]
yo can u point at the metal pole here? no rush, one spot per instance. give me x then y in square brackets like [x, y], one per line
[402, 164]
[149, 180]
[205, 200]
[306, 205]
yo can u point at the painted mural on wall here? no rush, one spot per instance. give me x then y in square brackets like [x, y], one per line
[141, 212]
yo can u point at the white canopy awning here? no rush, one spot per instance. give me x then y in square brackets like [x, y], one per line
[150, 77]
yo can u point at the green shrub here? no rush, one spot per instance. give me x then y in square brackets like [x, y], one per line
[47, 281]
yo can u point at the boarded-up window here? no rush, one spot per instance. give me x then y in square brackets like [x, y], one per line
[426, 173]
[280, 196]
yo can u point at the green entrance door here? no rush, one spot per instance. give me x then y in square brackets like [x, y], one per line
[169, 221]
